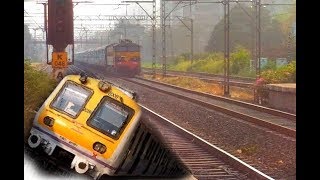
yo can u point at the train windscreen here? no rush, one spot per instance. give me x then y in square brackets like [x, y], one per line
[131, 48]
[110, 117]
[71, 99]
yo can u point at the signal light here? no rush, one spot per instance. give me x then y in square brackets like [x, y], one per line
[99, 147]
[60, 23]
[83, 78]
[49, 121]
[104, 86]
[60, 26]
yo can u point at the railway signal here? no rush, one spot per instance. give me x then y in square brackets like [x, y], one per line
[59, 34]
[60, 23]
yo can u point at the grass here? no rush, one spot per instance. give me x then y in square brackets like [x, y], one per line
[243, 94]
[149, 65]
[37, 87]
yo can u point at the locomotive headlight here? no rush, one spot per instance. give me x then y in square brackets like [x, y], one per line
[49, 121]
[99, 147]
[104, 86]
[83, 78]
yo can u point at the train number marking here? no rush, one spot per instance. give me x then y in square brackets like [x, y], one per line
[87, 110]
[115, 96]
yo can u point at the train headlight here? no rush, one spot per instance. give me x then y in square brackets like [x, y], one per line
[104, 86]
[49, 121]
[99, 147]
[83, 78]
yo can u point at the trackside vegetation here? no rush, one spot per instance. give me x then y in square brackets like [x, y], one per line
[239, 66]
[37, 87]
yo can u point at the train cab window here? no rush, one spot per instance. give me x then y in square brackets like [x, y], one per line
[110, 117]
[133, 48]
[121, 48]
[71, 99]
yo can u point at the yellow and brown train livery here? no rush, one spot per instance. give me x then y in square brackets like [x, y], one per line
[89, 119]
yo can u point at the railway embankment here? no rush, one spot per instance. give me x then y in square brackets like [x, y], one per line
[37, 87]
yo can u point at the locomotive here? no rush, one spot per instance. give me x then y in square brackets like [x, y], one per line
[123, 58]
[94, 127]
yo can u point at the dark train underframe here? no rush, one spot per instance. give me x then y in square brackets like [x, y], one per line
[146, 156]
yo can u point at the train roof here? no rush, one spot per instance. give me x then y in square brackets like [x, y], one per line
[91, 49]
[122, 42]
[113, 44]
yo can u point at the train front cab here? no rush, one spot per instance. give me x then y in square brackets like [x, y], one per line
[88, 121]
[128, 58]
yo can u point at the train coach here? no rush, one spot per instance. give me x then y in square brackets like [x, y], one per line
[94, 127]
[123, 58]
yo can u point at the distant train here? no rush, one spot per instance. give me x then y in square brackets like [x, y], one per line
[93, 127]
[117, 58]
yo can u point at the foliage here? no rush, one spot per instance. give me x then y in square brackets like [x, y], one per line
[148, 64]
[214, 63]
[240, 59]
[210, 63]
[241, 32]
[214, 66]
[246, 72]
[37, 87]
[125, 29]
[194, 84]
[286, 18]
[271, 65]
[284, 74]
[182, 65]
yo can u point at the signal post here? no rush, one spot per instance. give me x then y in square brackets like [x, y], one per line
[59, 35]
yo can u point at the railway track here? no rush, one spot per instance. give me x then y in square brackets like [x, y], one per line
[204, 160]
[275, 120]
[277, 130]
[196, 163]
[208, 77]
[280, 122]
[275, 112]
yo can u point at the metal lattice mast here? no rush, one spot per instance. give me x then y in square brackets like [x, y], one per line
[46, 30]
[226, 47]
[163, 28]
[154, 21]
[191, 39]
[259, 36]
[253, 40]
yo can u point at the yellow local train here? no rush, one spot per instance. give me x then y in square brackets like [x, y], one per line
[94, 127]
[91, 120]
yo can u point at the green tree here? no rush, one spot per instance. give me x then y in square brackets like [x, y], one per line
[287, 23]
[242, 30]
[125, 29]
